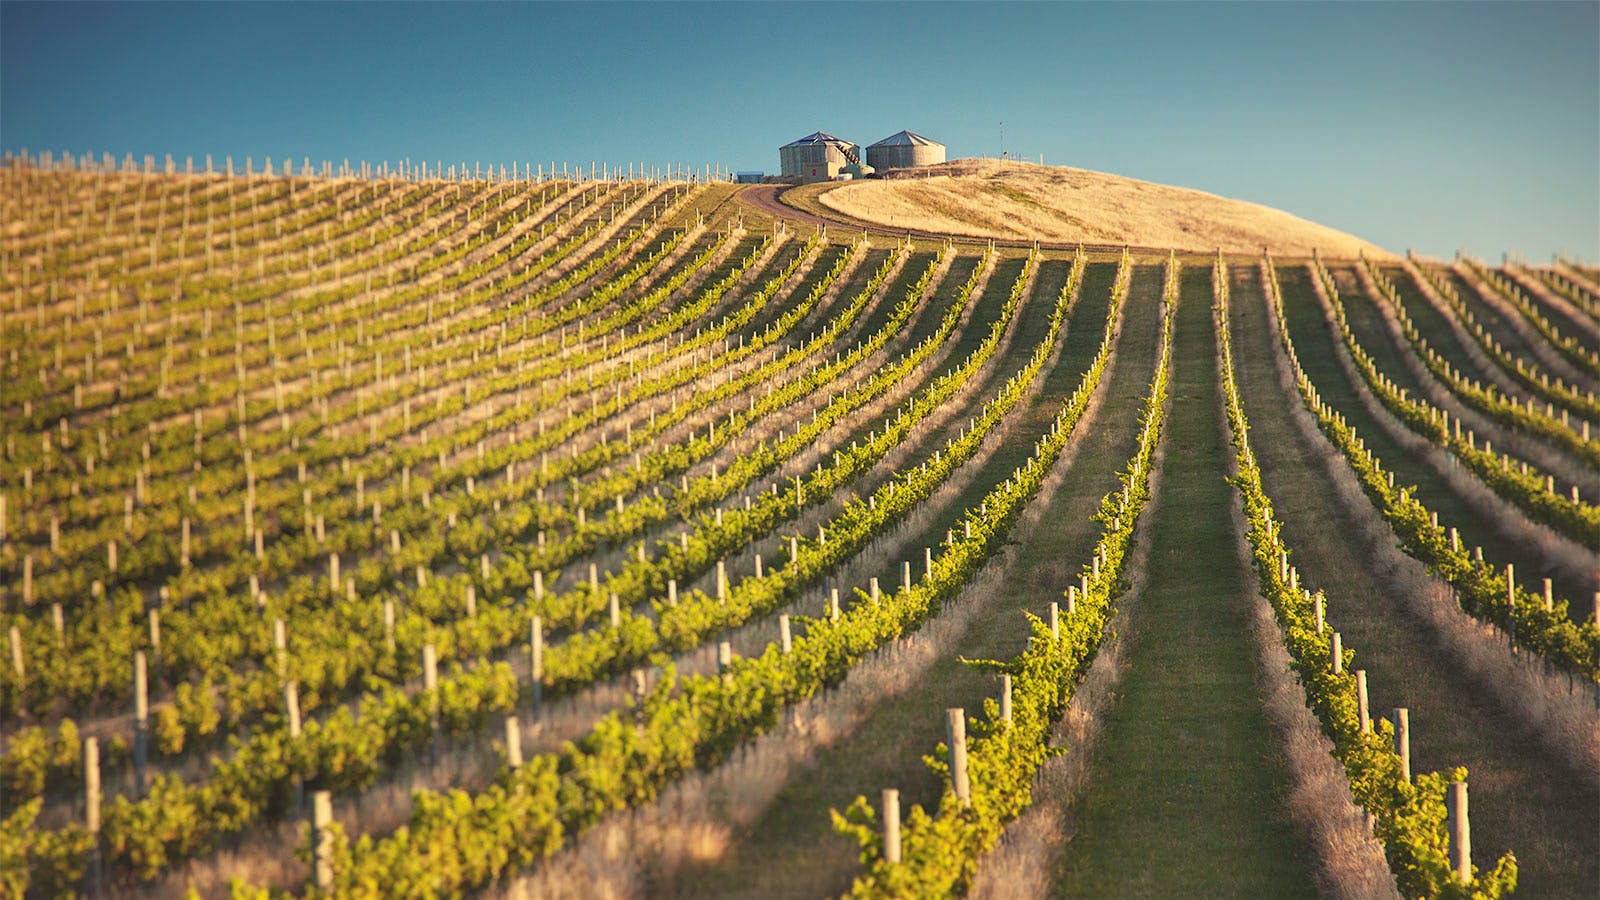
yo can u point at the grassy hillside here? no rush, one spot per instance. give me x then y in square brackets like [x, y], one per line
[1018, 200]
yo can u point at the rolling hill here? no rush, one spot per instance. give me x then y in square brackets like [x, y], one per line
[1019, 200]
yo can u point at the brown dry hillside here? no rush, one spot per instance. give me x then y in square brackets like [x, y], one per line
[1011, 199]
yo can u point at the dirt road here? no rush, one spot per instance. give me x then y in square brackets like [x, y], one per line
[764, 197]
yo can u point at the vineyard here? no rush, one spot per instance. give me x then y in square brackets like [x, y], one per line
[372, 533]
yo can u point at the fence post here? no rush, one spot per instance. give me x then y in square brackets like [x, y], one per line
[1005, 699]
[1336, 655]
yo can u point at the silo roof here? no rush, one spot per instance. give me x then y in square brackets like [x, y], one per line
[907, 139]
[818, 137]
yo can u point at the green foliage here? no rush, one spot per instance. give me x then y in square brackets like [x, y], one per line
[940, 852]
[1409, 816]
[1482, 592]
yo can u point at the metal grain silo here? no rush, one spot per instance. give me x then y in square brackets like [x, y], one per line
[904, 149]
[818, 156]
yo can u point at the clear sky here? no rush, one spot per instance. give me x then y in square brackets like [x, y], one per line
[1434, 126]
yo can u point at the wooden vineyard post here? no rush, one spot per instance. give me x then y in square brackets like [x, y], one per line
[141, 721]
[891, 825]
[1455, 802]
[956, 733]
[905, 576]
[1005, 699]
[91, 810]
[1335, 655]
[18, 668]
[322, 840]
[1511, 607]
[791, 714]
[1361, 701]
[536, 663]
[430, 683]
[725, 661]
[513, 743]
[1402, 740]
[388, 624]
[1322, 620]
[155, 641]
[291, 710]
[291, 707]
[927, 563]
[280, 645]
[1055, 621]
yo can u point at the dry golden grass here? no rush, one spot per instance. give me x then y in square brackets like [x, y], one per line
[1018, 200]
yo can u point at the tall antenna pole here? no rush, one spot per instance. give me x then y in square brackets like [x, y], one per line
[1002, 140]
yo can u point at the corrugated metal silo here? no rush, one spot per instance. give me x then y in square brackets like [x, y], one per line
[818, 156]
[904, 149]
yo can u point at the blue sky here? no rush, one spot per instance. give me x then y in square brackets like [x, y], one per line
[1434, 126]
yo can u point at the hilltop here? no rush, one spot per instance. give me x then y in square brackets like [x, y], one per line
[1027, 201]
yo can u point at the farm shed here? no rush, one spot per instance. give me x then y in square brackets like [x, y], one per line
[818, 156]
[903, 150]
